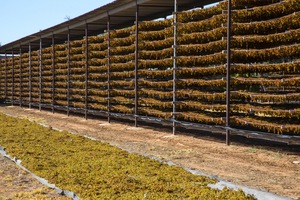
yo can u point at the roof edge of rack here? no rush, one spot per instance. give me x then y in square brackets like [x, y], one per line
[99, 13]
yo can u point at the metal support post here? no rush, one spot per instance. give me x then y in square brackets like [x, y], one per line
[136, 86]
[13, 78]
[68, 76]
[20, 95]
[174, 65]
[108, 69]
[30, 76]
[53, 72]
[86, 69]
[40, 73]
[228, 72]
[5, 75]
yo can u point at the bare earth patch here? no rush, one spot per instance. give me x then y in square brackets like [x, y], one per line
[15, 183]
[265, 168]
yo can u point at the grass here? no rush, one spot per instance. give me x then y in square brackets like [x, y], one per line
[278, 155]
[253, 149]
[95, 170]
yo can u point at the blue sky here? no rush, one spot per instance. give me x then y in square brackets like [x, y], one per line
[20, 18]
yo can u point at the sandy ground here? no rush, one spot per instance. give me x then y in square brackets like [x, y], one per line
[263, 165]
[15, 183]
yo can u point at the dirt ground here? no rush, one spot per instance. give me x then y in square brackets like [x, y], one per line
[263, 165]
[15, 183]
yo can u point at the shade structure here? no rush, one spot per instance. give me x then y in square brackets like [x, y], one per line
[121, 12]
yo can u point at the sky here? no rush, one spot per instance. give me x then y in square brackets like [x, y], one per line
[20, 18]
